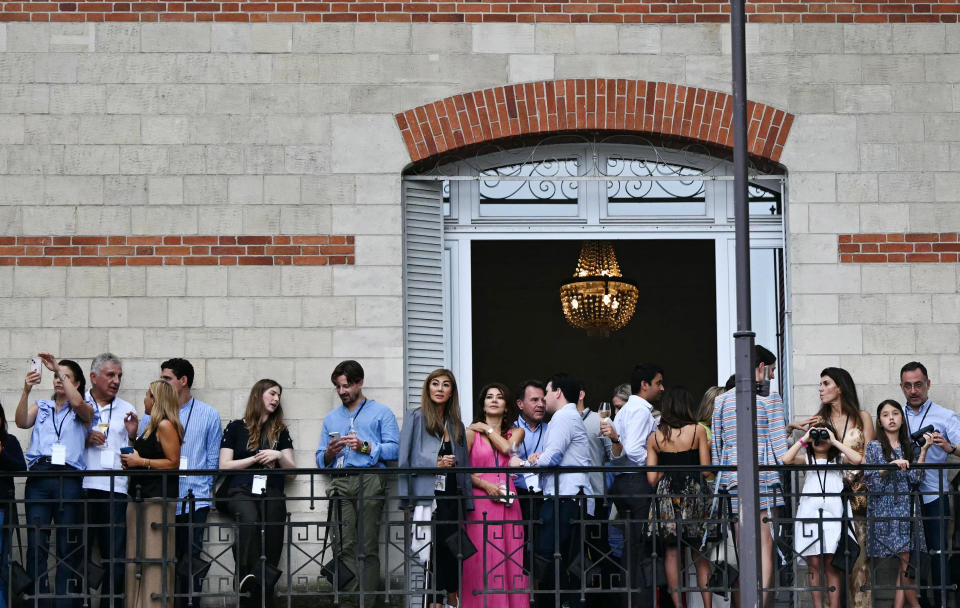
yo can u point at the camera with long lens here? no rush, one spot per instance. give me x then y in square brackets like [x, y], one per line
[818, 435]
[917, 437]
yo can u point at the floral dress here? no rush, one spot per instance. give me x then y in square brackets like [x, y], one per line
[681, 496]
[892, 504]
[860, 576]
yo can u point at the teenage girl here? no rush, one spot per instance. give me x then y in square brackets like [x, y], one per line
[892, 497]
[818, 527]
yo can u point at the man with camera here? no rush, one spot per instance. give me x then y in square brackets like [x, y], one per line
[925, 416]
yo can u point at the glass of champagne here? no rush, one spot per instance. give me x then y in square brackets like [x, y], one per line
[103, 427]
[604, 411]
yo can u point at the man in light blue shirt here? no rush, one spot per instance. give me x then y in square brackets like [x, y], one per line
[532, 410]
[921, 412]
[565, 444]
[200, 450]
[359, 434]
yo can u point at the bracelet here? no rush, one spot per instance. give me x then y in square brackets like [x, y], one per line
[804, 444]
[148, 463]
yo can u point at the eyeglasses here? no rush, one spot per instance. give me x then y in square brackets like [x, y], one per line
[915, 386]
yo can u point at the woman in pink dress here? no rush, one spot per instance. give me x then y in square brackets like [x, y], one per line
[493, 577]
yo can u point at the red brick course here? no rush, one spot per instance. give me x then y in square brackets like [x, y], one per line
[212, 250]
[506, 11]
[899, 247]
[636, 106]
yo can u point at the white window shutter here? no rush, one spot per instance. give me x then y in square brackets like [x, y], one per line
[424, 331]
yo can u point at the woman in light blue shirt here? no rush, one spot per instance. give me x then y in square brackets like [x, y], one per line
[57, 444]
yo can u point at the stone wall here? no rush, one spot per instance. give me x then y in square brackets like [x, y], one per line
[242, 130]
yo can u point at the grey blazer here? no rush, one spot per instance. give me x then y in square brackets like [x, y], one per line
[419, 449]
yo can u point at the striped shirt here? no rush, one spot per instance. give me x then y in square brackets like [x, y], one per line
[771, 436]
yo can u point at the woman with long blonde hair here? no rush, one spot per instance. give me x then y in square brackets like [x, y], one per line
[261, 443]
[155, 500]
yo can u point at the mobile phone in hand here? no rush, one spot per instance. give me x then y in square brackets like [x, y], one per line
[36, 365]
[126, 449]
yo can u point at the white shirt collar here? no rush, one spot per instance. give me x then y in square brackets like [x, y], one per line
[637, 399]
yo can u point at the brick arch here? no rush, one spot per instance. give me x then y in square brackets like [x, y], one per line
[633, 106]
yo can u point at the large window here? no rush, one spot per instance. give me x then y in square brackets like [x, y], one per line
[580, 190]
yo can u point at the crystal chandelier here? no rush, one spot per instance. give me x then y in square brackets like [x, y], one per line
[598, 298]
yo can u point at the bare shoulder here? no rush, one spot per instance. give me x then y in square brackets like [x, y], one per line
[866, 418]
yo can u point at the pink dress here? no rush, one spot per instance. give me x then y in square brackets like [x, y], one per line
[498, 564]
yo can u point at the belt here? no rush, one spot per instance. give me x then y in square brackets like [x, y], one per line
[47, 461]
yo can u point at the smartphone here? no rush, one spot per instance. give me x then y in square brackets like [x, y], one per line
[36, 365]
[334, 436]
[127, 449]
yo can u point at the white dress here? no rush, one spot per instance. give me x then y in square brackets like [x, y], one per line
[818, 513]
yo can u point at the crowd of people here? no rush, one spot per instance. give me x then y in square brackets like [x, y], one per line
[505, 537]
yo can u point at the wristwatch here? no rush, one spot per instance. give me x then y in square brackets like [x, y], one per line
[612, 440]
[365, 447]
[490, 431]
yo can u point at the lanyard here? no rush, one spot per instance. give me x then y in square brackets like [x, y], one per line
[537, 445]
[62, 420]
[920, 426]
[354, 419]
[100, 410]
[189, 416]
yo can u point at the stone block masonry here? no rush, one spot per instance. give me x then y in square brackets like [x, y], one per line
[899, 247]
[195, 250]
[491, 11]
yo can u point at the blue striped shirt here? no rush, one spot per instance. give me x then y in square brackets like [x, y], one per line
[771, 435]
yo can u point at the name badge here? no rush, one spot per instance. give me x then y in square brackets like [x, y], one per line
[440, 483]
[58, 454]
[533, 481]
[259, 484]
[184, 463]
[106, 459]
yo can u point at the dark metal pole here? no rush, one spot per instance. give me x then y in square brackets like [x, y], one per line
[747, 481]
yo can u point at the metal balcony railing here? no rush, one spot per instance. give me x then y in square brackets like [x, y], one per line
[586, 555]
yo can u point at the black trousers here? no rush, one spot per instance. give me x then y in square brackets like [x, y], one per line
[189, 541]
[260, 530]
[631, 493]
[107, 516]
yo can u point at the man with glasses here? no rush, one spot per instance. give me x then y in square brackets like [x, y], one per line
[921, 412]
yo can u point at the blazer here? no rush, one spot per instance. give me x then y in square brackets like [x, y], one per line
[419, 449]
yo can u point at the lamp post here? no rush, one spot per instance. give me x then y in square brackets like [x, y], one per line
[747, 478]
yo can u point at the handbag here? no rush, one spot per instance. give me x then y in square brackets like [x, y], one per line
[848, 549]
[221, 499]
[723, 574]
[460, 545]
[19, 582]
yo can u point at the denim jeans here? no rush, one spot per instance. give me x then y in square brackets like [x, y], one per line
[57, 499]
[935, 531]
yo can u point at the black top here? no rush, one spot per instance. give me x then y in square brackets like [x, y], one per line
[235, 437]
[151, 484]
[11, 459]
[446, 449]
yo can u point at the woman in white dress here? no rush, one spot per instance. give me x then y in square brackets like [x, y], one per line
[819, 512]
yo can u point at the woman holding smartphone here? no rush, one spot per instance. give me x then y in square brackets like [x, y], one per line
[57, 443]
[260, 443]
[433, 437]
[155, 499]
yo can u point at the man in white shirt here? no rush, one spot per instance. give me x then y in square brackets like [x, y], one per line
[106, 506]
[631, 492]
